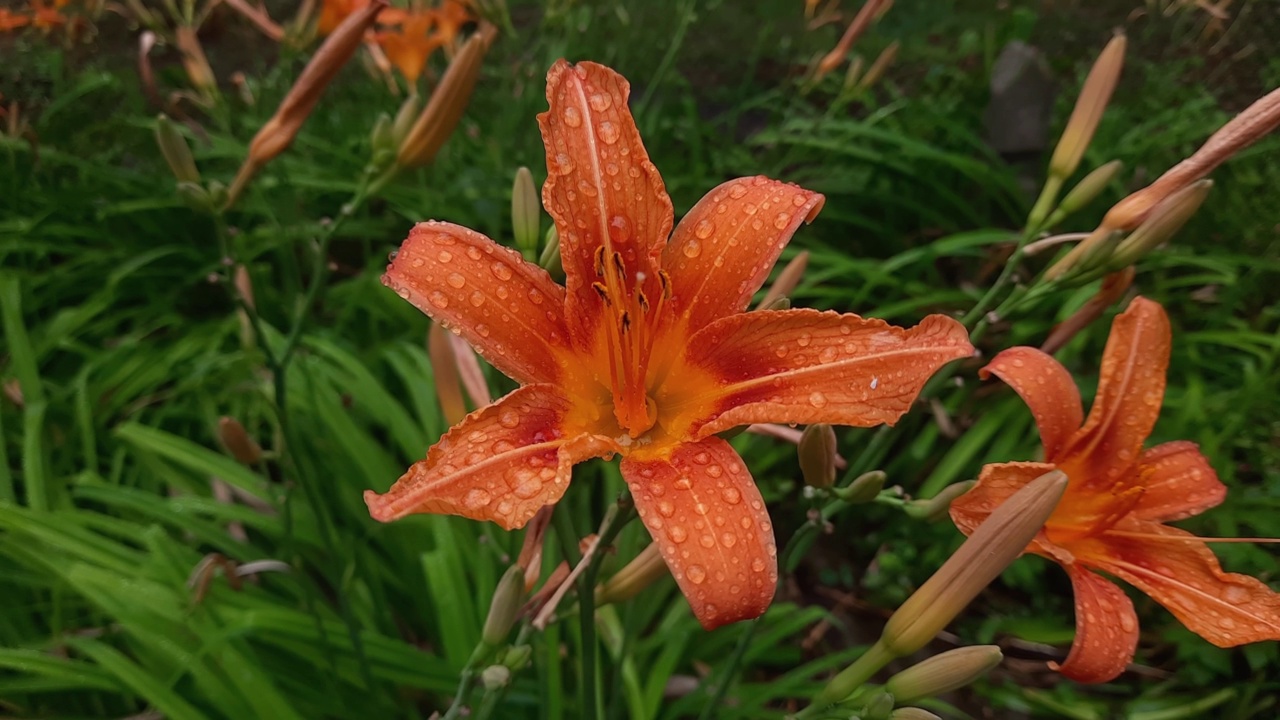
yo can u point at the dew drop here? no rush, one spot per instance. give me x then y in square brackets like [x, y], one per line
[731, 495]
[677, 534]
[696, 574]
[482, 330]
[501, 271]
[757, 565]
[443, 256]
[737, 191]
[438, 299]
[692, 249]
[707, 541]
[781, 221]
[509, 419]
[728, 540]
[564, 164]
[456, 280]
[572, 117]
[827, 355]
[666, 509]
[817, 399]
[714, 471]
[477, 299]
[529, 486]
[476, 498]
[609, 132]
[703, 229]
[600, 102]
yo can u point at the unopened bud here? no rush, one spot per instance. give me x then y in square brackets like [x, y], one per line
[444, 370]
[936, 507]
[817, 452]
[278, 132]
[195, 196]
[195, 62]
[879, 66]
[943, 673]
[382, 137]
[647, 568]
[1094, 96]
[526, 213]
[506, 603]
[405, 116]
[1164, 222]
[853, 74]
[998, 541]
[448, 101]
[550, 258]
[864, 488]
[1086, 255]
[237, 441]
[913, 713]
[1086, 190]
[787, 281]
[517, 656]
[495, 677]
[866, 15]
[175, 150]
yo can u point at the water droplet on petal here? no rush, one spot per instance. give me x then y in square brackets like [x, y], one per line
[501, 271]
[438, 299]
[509, 419]
[666, 509]
[476, 498]
[703, 229]
[456, 280]
[692, 249]
[728, 540]
[477, 299]
[781, 221]
[732, 495]
[817, 399]
[563, 164]
[757, 565]
[572, 117]
[600, 102]
[677, 534]
[444, 256]
[609, 132]
[696, 574]
[737, 191]
[483, 330]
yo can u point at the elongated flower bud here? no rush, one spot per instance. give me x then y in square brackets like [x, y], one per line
[195, 62]
[444, 369]
[1087, 113]
[863, 489]
[526, 213]
[175, 150]
[817, 453]
[1086, 190]
[943, 673]
[1165, 220]
[237, 441]
[278, 132]
[866, 15]
[647, 568]
[507, 598]
[984, 555]
[550, 259]
[787, 280]
[936, 507]
[448, 101]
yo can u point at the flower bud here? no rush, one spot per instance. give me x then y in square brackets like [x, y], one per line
[1087, 253]
[647, 568]
[502, 610]
[194, 196]
[998, 541]
[1086, 190]
[864, 488]
[195, 62]
[517, 656]
[237, 441]
[817, 452]
[1094, 96]
[495, 677]
[448, 101]
[444, 369]
[278, 132]
[550, 258]
[382, 136]
[175, 150]
[787, 281]
[405, 116]
[943, 673]
[526, 213]
[1165, 220]
[913, 713]
[936, 507]
[876, 706]
[866, 15]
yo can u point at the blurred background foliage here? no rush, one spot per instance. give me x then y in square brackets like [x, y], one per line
[124, 520]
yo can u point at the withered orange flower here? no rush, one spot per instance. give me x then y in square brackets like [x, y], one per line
[645, 352]
[1119, 497]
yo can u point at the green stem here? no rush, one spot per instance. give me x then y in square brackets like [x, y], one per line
[849, 680]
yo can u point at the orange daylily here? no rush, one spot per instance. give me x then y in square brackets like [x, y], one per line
[10, 20]
[333, 12]
[645, 352]
[1119, 497]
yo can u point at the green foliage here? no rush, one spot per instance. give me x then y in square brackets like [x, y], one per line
[123, 346]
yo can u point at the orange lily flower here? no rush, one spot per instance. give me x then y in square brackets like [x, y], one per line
[10, 20]
[410, 39]
[1119, 497]
[645, 352]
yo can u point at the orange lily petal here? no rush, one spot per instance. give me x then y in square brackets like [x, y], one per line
[503, 463]
[1180, 572]
[1179, 482]
[996, 483]
[710, 523]
[1130, 389]
[602, 192]
[1106, 629]
[508, 309]
[1047, 389]
[806, 366]
[723, 250]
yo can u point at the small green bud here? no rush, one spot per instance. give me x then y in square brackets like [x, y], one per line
[936, 507]
[506, 603]
[495, 677]
[817, 452]
[943, 673]
[194, 196]
[863, 489]
[382, 137]
[877, 706]
[550, 258]
[517, 656]
[175, 150]
[526, 212]
[1086, 190]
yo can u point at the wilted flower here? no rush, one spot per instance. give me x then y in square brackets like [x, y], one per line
[645, 352]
